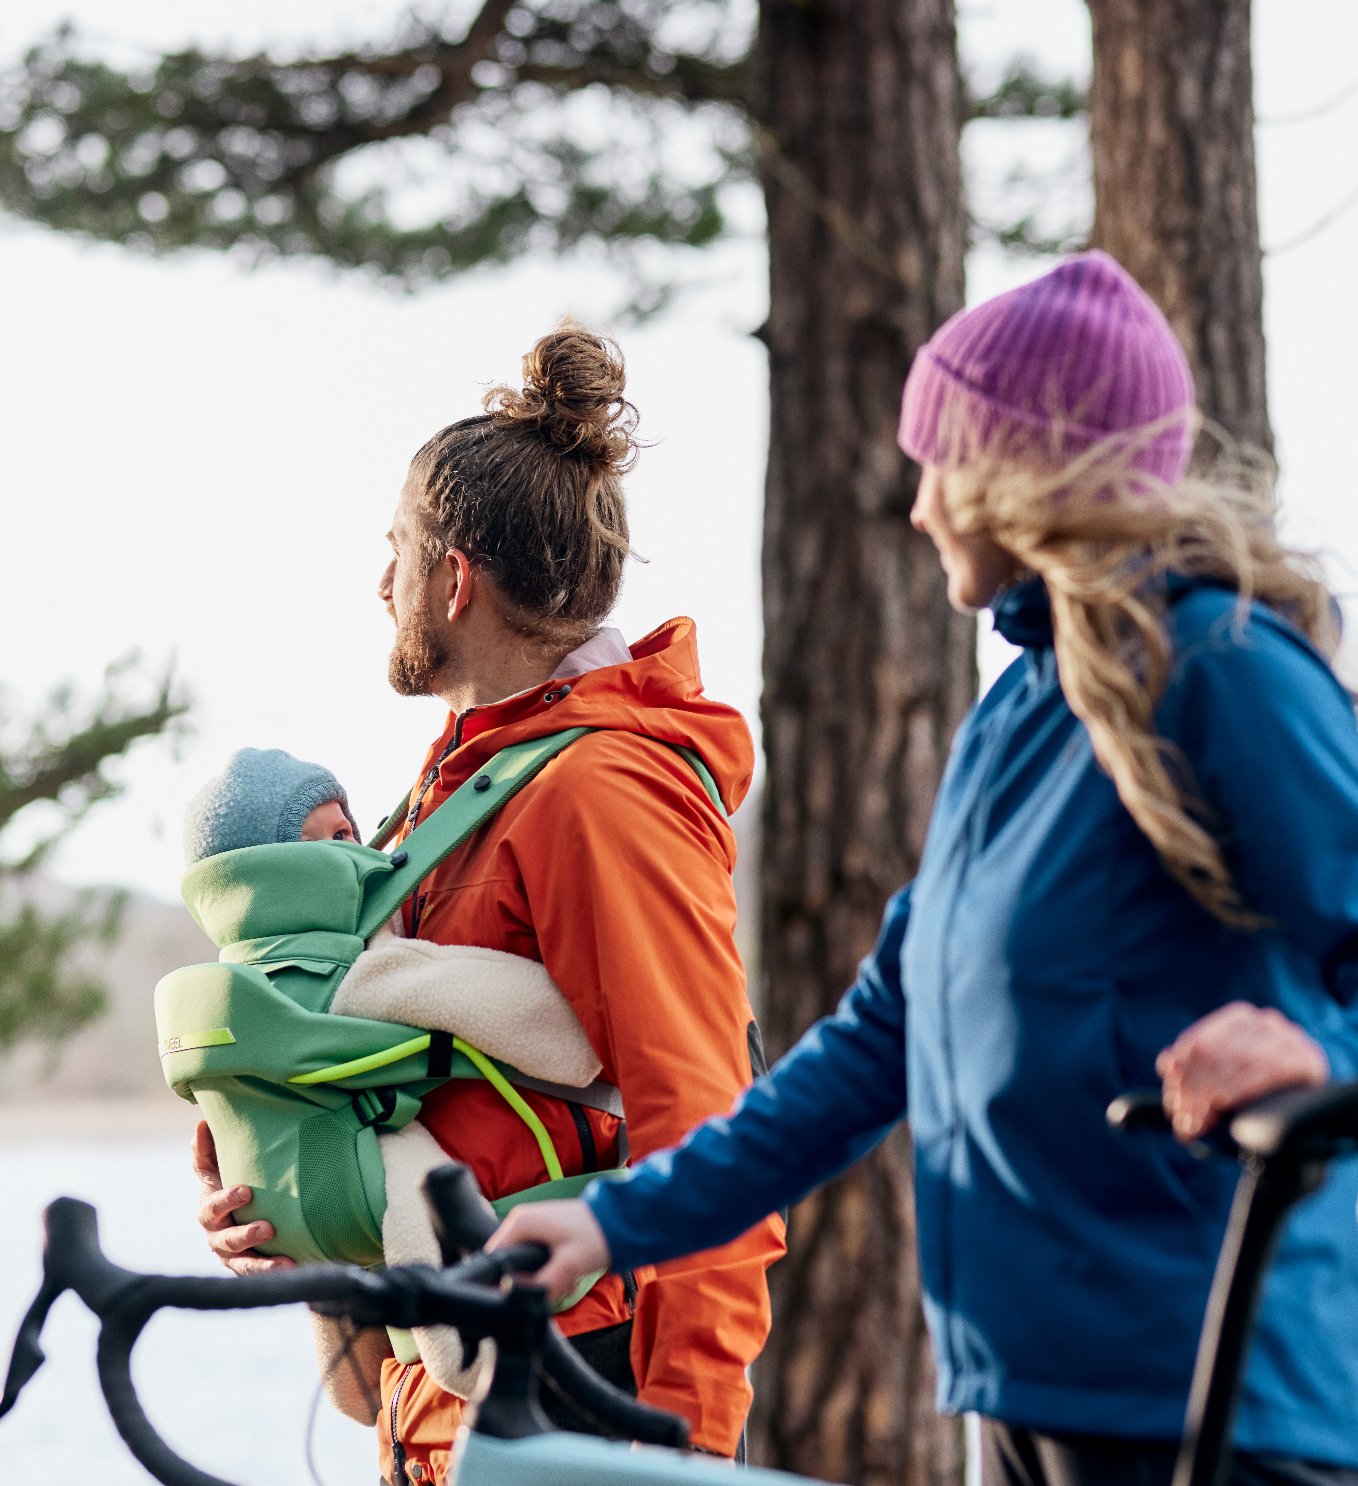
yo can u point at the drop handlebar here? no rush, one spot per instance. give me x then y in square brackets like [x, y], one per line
[476, 1293]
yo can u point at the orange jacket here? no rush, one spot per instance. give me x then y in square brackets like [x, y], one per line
[613, 869]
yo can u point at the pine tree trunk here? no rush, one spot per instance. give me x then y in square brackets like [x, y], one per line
[1172, 130]
[866, 670]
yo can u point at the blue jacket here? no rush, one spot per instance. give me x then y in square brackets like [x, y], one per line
[1033, 970]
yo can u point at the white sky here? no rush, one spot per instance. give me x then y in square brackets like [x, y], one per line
[202, 462]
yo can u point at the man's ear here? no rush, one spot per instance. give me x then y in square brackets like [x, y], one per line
[459, 572]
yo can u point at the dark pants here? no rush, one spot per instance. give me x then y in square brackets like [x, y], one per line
[609, 1352]
[1014, 1456]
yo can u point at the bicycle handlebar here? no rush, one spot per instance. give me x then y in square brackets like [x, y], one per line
[469, 1295]
[1291, 1124]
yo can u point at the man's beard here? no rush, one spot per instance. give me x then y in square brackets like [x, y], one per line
[416, 658]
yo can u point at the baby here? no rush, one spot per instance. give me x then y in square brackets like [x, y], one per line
[265, 796]
[501, 1004]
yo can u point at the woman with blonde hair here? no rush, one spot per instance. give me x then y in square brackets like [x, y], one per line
[1143, 861]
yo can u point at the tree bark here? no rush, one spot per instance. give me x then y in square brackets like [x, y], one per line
[857, 108]
[1171, 115]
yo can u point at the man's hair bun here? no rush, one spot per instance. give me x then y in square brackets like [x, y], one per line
[531, 491]
[572, 398]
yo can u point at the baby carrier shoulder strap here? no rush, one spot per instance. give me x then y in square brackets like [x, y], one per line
[388, 826]
[695, 762]
[469, 807]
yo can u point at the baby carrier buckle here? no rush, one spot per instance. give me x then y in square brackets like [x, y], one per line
[378, 1106]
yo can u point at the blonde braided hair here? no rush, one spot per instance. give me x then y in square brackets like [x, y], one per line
[1099, 532]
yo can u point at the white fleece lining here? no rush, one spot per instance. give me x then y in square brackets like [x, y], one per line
[408, 1238]
[503, 1004]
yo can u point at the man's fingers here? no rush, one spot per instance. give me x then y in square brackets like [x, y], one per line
[232, 1241]
[203, 1156]
[248, 1264]
[216, 1207]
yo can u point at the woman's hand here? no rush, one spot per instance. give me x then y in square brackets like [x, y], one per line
[233, 1244]
[569, 1229]
[1235, 1055]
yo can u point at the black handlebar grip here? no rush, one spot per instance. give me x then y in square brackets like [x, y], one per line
[463, 1219]
[1138, 1109]
[72, 1256]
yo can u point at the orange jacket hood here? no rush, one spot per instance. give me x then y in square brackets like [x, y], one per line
[658, 694]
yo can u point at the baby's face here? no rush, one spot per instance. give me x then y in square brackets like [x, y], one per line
[327, 823]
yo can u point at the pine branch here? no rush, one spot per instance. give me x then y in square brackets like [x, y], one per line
[240, 153]
[1024, 93]
[61, 759]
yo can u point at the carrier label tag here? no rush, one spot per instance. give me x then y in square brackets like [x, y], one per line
[187, 1041]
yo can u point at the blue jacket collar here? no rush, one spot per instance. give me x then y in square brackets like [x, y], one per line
[1023, 614]
[1023, 611]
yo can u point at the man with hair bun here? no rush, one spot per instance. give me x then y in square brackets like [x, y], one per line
[612, 867]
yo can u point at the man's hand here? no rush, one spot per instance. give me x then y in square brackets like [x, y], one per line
[233, 1244]
[1235, 1055]
[569, 1230]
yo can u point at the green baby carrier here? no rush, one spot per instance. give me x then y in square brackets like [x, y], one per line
[296, 1097]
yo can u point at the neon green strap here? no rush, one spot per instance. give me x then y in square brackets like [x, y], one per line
[479, 1061]
[356, 1066]
[517, 1103]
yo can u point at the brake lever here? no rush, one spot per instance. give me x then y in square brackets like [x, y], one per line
[462, 1218]
[71, 1260]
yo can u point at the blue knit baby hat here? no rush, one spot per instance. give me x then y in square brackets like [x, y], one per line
[260, 798]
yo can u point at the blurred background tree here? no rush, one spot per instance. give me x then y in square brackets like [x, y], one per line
[55, 761]
[1176, 202]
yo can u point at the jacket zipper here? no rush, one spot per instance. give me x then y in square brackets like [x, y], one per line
[398, 1450]
[967, 843]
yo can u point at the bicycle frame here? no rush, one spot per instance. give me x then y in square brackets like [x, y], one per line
[1284, 1144]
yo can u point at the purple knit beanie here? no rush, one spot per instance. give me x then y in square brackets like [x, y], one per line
[1050, 369]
